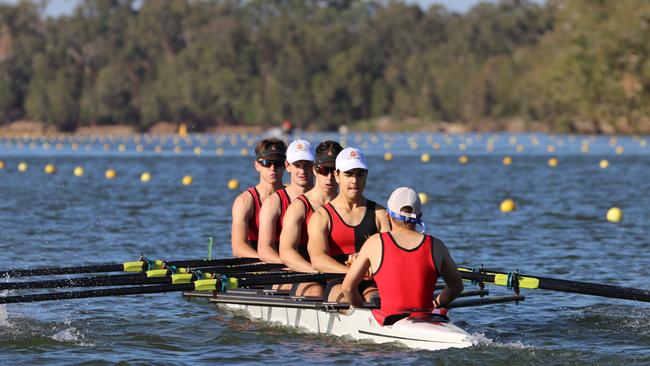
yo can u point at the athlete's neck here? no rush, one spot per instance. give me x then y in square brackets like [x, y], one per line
[266, 189]
[349, 203]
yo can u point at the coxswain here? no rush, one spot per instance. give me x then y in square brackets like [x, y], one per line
[299, 164]
[269, 163]
[339, 228]
[405, 263]
[293, 238]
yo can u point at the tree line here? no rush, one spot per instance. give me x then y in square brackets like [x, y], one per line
[578, 65]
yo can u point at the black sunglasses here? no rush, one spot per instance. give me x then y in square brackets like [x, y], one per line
[325, 170]
[267, 163]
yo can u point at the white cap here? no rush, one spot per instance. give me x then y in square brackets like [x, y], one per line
[350, 158]
[405, 197]
[300, 150]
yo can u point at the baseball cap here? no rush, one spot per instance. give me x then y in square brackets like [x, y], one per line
[351, 158]
[326, 153]
[271, 148]
[405, 197]
[300, 150]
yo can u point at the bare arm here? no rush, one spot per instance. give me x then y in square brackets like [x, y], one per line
[242, 210]
[364, 260]
[269, 216]
[318, 230]
[290, 237]
[381, 219]
[449, 270]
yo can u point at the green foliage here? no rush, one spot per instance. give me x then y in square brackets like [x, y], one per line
[325, 63]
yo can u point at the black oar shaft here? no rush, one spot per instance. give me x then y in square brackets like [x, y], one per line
[132, 279]
[578, 287]
[132, 290]
[98, 268]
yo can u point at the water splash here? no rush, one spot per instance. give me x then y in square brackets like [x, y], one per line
[71, 335]
[480, 339]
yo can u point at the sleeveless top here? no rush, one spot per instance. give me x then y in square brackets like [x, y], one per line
[284, 203]
[304, 238]
[254, 221]
[344, 239]
[406, 278]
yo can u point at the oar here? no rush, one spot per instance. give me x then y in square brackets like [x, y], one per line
[137, 266]
[182, 282]
[156, 276]
[519, 281]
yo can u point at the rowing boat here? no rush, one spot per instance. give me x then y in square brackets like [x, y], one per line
[433, 332]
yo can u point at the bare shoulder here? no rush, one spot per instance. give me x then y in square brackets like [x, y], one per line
[379, 208]
[243, 201]
[374, 241]
[297, 207]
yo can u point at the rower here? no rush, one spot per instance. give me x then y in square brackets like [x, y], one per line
[299, 164]
[339, 228]
[269, 162]
[405, 264]
[293, 238]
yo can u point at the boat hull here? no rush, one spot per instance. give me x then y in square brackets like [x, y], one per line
[360, 324]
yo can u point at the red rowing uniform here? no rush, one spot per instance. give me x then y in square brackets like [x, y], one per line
[344, 239]
[406, 278]
[304, 237]
[254, 221]
[285, 200]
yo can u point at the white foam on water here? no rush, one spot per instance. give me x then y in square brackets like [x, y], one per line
[71, 335]
[4, 315]
[480, 339]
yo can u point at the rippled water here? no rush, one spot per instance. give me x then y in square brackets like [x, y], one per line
[559, 230]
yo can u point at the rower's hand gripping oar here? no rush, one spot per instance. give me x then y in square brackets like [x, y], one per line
[138, 266]
[518, 281]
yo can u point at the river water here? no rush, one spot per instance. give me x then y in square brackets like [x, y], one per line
[559, 230]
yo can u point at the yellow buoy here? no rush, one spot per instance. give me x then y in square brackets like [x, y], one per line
[463, 159]
[157, 149]
[145, 177]
[244, 151]
[424, 198]
[2, 164]
[110, 174]
[507, 160]
[219, 151]
[508, 205]
[425, 157]
[178, 149]
[22, 167]
[233, 184]
[78, 171]
[139, 148]
[187, 180]
[436, 146]
[121, 148]
[619, 150]
[197, 150]
[388, 156]
[182, 130]
[550, 148]
[614, 214]
[49, 169]
[604, 164]
[552, 162]
[643, 143]
[519, 148]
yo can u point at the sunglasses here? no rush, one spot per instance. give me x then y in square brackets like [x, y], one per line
[269, 163]
[325, 170]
